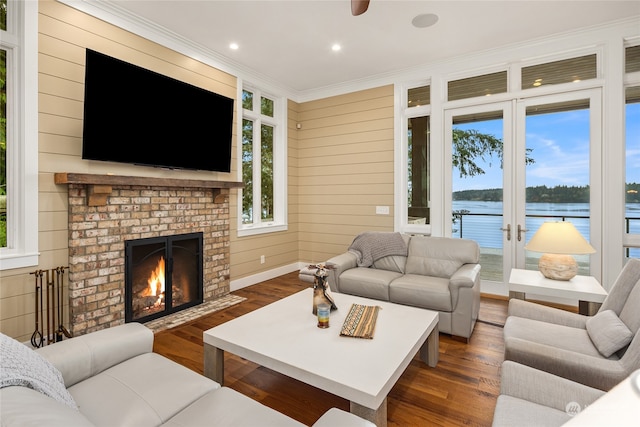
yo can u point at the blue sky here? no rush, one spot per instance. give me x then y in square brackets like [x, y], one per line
[559, 143]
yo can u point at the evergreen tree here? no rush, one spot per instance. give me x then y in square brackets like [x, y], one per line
[472, 145]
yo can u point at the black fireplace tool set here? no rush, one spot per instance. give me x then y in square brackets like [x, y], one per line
[49, 287]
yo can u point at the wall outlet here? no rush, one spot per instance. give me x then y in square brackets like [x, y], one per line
[262, 259]
[382, 210]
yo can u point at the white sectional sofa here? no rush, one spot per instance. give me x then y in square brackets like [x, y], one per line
[112, 378]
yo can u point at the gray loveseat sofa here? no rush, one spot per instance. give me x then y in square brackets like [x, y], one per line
[436, 273]
[112, 378]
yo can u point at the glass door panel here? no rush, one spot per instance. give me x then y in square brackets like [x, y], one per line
[479, 183]
[557, 139]
[516, 164]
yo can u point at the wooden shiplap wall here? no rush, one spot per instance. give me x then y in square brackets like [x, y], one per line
[345, 169]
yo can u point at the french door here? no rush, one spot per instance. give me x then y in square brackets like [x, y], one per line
[512, 166]
[479, 154]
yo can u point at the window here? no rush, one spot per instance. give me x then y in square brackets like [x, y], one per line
[471, 87]
[632, 150]
[418, 96]
[564, 71]
[418, 170]
[3, 129]
[3, 139]
[18, 134]
[262, 203]
[416, 145]
[632, 59]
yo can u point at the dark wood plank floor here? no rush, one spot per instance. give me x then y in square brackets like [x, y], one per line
[460, 391]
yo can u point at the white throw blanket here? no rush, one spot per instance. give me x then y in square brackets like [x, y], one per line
[370, 246]
[21, 366]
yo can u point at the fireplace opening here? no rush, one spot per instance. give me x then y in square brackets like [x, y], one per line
[163, 275]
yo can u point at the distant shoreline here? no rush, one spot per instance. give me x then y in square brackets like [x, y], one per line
[544, 194]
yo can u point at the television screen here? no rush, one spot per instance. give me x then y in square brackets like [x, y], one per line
[134, 115]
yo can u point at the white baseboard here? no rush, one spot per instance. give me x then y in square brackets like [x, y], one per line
[265, 275]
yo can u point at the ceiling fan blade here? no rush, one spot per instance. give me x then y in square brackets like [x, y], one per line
[358, 7]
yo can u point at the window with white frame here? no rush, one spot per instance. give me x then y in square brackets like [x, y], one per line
[18, 134]
[632, 144]
[262, 204]
[415, 116]
[3, 127]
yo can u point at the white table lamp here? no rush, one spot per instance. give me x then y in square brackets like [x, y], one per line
[558, 241]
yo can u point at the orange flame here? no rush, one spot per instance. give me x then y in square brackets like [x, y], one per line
[156, 279]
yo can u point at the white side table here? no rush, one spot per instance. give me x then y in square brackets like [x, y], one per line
[586, 289]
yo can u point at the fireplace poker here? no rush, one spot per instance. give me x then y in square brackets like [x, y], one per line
[36, 337]
[60, 281]
[50, 312]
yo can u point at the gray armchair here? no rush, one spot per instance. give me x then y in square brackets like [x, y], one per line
[530, 397]
[598, 351]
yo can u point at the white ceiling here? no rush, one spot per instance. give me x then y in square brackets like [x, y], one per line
[289, 42]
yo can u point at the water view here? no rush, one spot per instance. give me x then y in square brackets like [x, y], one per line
[557, 168]
[482, 221]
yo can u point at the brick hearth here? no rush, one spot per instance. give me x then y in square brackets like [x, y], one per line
[97, 235]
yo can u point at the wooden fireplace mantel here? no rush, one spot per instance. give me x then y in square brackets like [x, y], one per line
[99, 187]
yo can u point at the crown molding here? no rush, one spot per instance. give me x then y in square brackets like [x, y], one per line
[135, 24]
[124, 19]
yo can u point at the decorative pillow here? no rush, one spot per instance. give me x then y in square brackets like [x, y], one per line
[608, 333]
[21, 366]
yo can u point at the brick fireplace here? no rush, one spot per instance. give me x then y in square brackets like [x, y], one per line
[105, 211]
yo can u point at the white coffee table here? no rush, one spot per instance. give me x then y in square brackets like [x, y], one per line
[586, 289]
[283, 336]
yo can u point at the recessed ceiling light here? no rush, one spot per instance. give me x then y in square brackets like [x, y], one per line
[424, 20]
[336, 47]
[234, 46]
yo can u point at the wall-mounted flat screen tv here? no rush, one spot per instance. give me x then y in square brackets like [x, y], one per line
[134, 115]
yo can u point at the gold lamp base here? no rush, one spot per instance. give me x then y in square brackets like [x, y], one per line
[558, 267]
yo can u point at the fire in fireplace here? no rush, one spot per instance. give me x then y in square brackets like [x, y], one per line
[163, 275]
